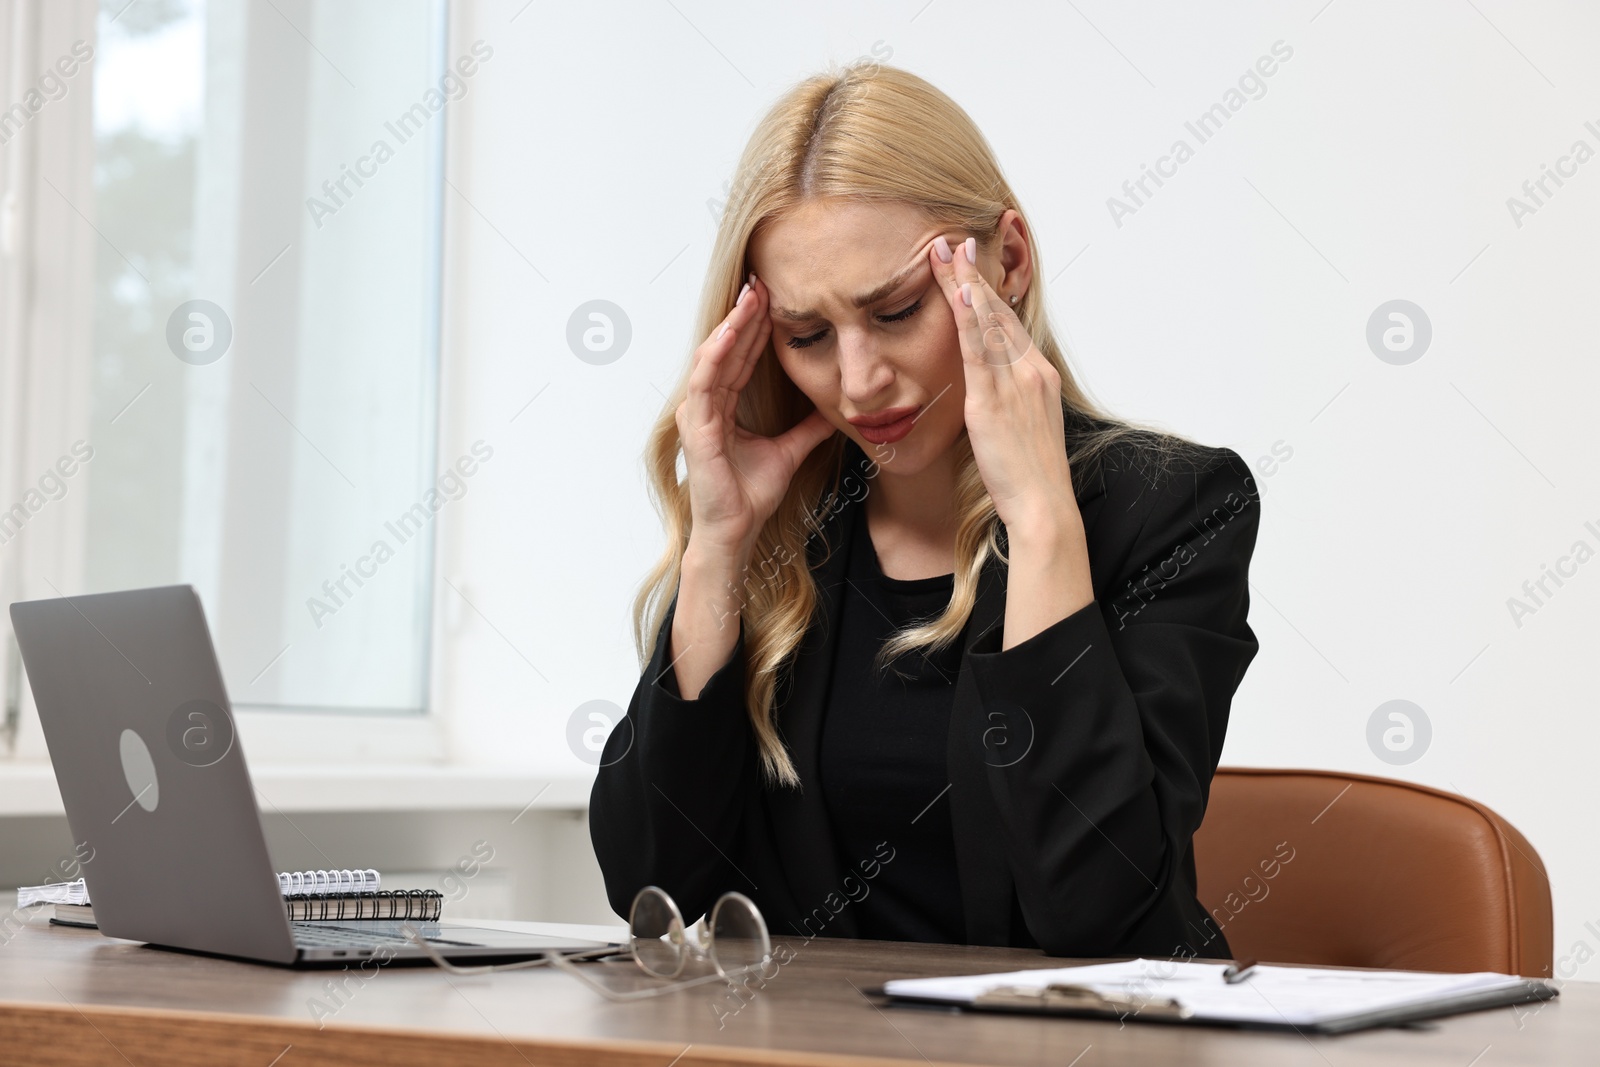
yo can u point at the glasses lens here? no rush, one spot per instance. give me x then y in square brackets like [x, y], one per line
[739, 940]
[657, 931]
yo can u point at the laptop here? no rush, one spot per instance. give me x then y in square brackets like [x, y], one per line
[180, 859]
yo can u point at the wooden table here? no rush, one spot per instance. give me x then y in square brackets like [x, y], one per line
[71, 996]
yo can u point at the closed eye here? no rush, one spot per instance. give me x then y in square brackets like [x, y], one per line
[900, 316]
[897, 316]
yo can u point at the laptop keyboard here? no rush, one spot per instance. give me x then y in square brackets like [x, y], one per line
[326, 935]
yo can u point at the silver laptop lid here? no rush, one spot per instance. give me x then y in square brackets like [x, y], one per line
[152, 776]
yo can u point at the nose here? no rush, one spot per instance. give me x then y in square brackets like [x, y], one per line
[863, 372]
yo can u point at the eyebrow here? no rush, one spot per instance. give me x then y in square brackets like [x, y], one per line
[861, 301]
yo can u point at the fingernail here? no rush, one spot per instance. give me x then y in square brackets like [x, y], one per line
[720, 331]
[743, 291]
[942, 247]
[752, 278]
[966, 293]
[972, 251]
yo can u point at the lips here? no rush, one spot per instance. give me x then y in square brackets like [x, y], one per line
[887, 426]
[884, 417]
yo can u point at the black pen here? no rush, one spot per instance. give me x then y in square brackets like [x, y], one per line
[1238, 971]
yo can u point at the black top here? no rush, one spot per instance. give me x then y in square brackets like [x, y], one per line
[1079, 839]
[882, 761]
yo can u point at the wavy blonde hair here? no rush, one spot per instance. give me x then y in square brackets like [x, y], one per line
[866, 132]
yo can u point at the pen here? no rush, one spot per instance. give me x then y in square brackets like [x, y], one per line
[1238, 971]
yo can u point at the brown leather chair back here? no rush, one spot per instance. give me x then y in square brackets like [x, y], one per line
[1337, 869]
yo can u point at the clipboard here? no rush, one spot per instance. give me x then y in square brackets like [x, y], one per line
[1084, 1000]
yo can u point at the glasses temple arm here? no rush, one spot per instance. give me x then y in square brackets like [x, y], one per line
[433, 954]
[565, 964]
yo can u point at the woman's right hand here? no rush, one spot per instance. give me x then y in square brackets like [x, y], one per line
[737, 478]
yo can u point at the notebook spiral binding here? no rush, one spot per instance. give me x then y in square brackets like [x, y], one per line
[420, 905]
[304, 883]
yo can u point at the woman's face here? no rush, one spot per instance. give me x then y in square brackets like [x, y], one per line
[895, 354]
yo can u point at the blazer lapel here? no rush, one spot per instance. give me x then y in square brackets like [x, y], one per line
[987, 889]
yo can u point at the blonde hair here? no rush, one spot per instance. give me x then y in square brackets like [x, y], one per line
[866, 132]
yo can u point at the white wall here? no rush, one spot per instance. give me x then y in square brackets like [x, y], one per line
[1232, 307]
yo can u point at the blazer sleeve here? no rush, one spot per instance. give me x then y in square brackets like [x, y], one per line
[674, 781]
[1128, 705]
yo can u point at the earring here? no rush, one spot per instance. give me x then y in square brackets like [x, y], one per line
[1015, 298]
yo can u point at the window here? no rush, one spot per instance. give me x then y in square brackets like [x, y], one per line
[258, 402]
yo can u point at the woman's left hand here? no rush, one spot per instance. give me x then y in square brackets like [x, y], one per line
[1013, 405]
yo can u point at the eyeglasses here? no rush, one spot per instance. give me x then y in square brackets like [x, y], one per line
[735, 942]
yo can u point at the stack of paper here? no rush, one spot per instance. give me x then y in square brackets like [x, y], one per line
[1308, 997]
[54, 893]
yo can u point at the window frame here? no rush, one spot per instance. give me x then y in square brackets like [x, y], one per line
[47, 293]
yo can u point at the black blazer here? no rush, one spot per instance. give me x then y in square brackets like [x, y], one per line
[1079, 760]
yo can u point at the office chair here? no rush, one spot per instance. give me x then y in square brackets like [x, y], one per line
[1333, 869]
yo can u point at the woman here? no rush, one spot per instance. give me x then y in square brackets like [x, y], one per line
[937, 651]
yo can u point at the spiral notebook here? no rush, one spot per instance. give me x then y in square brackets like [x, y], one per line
[308, 896]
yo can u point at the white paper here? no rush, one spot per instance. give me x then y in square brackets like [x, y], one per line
[1302, 996]
[54, 893]
[290, 883]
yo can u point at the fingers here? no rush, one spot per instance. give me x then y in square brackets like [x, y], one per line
[979, 376]
[717, 362]
[756, 338]
[990, 329]
[699, 403]
[750, 327]
[966, 317]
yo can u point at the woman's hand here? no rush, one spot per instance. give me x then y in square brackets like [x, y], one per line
[736, 478]
[1013, 405]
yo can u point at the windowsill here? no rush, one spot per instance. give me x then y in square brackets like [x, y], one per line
[30, 789]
